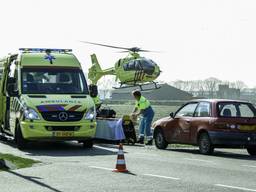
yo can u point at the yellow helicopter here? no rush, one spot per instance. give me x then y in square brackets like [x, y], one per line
[130, 71]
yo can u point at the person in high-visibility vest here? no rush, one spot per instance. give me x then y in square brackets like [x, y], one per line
[97, 101]
[143, 108]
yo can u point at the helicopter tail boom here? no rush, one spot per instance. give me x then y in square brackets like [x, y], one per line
[96, 72]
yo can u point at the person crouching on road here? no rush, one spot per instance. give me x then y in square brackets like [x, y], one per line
[143, 108]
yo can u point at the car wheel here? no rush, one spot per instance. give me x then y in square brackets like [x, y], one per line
[252, 150]
[160, 141]
[205, 145]
[88, 144]
[20, 141]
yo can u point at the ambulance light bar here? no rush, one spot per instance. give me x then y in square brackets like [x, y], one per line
[44, 50]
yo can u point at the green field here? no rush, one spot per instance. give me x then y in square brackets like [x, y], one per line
[160, 110]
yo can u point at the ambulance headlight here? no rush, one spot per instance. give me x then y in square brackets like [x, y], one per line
[31, 114]
[90, 114]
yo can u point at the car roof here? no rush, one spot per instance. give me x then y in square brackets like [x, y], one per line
[218, 100]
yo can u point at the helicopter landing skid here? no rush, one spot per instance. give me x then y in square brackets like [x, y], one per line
[156, 86]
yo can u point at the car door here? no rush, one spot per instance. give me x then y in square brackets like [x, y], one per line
[201, 120]
[182, 123]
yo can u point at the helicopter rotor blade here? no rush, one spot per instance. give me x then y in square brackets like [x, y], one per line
[150, 51]
[104, 45]
[127, 50]
[145, 51]
[123, 51]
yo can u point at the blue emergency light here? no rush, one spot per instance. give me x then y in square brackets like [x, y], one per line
[44, 50]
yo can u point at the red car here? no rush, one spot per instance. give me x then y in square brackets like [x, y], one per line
[209, 124]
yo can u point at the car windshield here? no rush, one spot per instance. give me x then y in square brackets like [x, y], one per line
[53, 81]
[235, 109]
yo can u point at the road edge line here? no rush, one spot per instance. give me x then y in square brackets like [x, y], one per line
[161, 176]
[103, 168]
[235, 187]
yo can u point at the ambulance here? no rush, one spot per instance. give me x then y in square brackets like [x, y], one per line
[44, 97]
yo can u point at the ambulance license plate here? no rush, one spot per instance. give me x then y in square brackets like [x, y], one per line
[62, 134]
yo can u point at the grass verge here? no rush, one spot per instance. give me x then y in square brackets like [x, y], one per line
[19, 162]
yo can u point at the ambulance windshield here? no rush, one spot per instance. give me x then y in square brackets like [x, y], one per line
[53, 81]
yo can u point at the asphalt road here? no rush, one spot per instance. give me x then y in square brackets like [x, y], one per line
[67, 167]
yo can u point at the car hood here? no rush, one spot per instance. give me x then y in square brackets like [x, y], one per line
[44, 103]
[162, 122]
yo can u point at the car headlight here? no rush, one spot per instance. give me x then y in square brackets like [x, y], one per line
[90, 114]
[31, 114]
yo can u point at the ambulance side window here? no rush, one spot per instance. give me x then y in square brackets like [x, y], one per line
[12, 69]
[12, 76]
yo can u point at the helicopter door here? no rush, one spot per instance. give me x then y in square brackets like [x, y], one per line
[139, 75]
[136, 67]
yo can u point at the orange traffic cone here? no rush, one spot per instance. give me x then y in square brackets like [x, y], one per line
[120, 164]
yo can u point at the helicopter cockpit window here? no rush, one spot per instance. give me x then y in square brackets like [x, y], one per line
[138, 65]
[133, 66]
[129, 66]
[148, 66]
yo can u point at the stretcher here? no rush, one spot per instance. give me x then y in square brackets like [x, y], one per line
[109, 129]
[115, 129]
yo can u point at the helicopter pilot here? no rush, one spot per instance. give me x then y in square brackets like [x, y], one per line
[143, 108]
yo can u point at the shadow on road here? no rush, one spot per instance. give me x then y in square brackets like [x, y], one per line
[62, 149]
[9, 142]
[33, 180]
[217, 153]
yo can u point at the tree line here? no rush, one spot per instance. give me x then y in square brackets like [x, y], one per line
[207, 86]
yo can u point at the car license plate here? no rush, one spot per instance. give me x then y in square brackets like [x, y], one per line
[62, 134]
[248, 127]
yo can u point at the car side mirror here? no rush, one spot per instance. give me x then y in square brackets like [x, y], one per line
[172, 115]
[11, 90]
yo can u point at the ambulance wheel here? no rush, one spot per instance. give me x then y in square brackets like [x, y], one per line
[252, 150]
[88, 144]
[20, 141]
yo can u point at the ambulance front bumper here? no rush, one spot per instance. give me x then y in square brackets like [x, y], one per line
[58, 131]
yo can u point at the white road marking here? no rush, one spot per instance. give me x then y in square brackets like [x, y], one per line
[160, 176]
[105, 148]
[201, 160]
[234, 187]
[103, 168]
[251, 166]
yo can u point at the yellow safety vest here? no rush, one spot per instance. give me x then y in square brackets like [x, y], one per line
[96, 100]
[142, 104]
